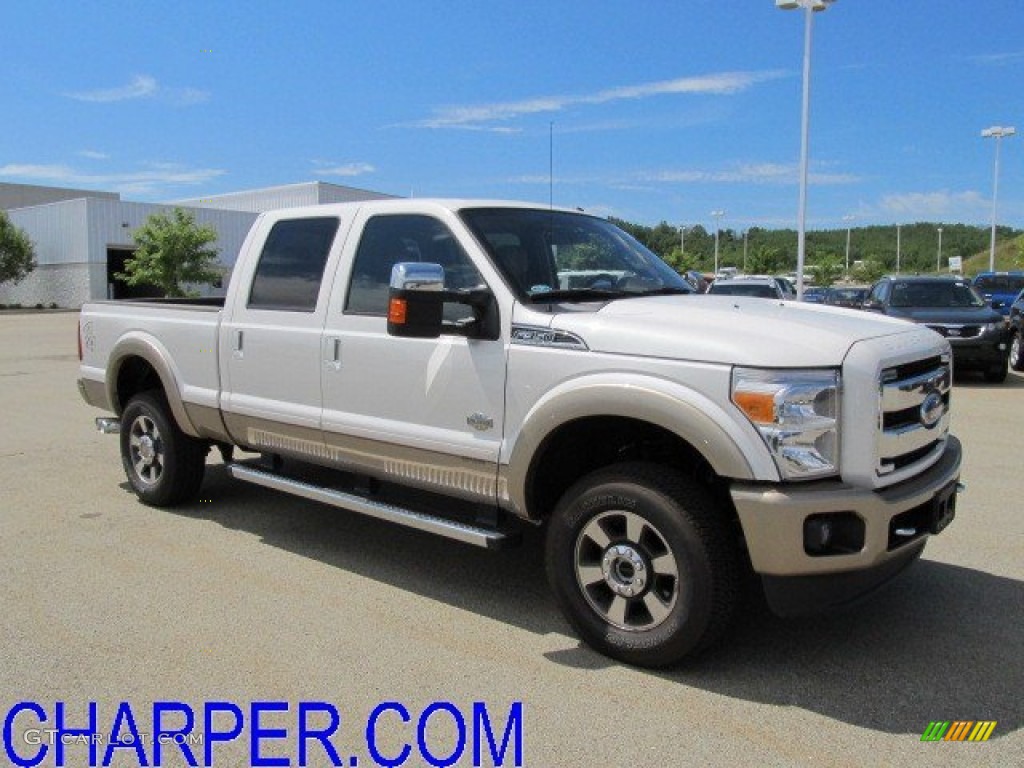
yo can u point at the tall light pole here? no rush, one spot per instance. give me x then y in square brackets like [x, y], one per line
[938, 257]
[848, 218]
[682, 239]
[897, 249]
[745, 232]
[718, 224]
[996, 132]
[809, 6]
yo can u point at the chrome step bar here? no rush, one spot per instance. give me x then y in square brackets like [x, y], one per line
[479, 536]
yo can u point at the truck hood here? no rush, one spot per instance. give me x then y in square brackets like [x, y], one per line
[728, 329]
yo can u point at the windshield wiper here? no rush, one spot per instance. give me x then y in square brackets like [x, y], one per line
[576, 294]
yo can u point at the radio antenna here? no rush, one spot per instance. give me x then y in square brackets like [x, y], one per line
[551, 164]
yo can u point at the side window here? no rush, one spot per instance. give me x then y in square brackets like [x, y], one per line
[291, 267]
[387, 240]
[878, 292]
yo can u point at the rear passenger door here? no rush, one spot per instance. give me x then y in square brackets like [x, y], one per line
[270, 343]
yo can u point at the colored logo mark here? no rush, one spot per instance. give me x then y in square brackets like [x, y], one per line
[959, 730]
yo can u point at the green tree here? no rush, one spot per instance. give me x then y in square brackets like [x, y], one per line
[172, 251]
[868, 271]
[828, 269]
[766, 260]
[17, 254]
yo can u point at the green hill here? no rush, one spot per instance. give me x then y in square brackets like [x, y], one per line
[1009, 255]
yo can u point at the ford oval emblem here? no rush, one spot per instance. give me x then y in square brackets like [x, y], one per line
[931, 410]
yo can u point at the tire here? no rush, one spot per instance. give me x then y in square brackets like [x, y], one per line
[997, 373]
[642, 564]
[1017, 352]
[164, 465]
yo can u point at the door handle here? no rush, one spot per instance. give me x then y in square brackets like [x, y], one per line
[334, 354]
[239, 343]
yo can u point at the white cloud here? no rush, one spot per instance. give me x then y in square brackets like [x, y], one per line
[751, 173]
[348, 169]
[92, 154]
[140, 87]
[186, 97]
[479, 117]
[143, 87]
[154, 178]
[999, 59]
[932, 205]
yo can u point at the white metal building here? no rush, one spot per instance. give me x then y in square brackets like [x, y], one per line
[82, 237]
[286, 196]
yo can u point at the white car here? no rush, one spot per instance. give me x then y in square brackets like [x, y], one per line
[759, 287]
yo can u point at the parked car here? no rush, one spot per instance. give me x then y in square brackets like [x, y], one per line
[999, 288]
[697, 280]
[846, 296]
[1016, 319]
[815, 294]
[759, 287]
[978, 334]
[787, 287]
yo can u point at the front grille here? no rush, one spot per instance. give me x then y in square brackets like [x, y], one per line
[957, 331]
[914, 413]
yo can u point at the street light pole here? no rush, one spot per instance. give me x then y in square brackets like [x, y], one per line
[938, 258]
[809, 6]
[745, 232]
[897, 249]
[718, 224]
[682, 239]
[996, 132]
[848, 219]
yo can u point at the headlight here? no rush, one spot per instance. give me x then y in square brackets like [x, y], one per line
[993, 327]
[797, 414]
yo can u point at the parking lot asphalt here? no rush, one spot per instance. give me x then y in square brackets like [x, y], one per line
[249, 596]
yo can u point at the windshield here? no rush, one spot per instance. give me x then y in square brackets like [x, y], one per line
[555, 255]
[731, 288]
[1007, 284]
[935, 294]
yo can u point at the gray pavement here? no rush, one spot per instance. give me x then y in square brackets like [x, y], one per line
[250, 596]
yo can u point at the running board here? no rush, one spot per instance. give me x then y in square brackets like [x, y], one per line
[479, 536]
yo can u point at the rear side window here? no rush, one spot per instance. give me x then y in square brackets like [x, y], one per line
[291, 266]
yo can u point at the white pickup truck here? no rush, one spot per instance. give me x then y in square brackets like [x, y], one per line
[431, 363]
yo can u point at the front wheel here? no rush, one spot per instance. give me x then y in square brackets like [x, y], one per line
[997, 373]
[1016, 353]
[164, 465]
[642, 564]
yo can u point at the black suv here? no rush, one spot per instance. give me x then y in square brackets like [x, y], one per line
[1016, 319]
[977, 333]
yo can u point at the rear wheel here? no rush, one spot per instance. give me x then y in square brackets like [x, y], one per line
[163, 464]
[642, 564]
[1016, 353]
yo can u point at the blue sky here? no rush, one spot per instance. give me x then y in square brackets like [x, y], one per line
[657, 110]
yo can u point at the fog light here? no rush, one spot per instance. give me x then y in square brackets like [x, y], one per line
[817, 535]
[836, 533]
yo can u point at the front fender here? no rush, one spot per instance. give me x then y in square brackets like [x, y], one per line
[136, 344]
[693, 417]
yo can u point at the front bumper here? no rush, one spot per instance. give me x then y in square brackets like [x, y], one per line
[773, 520]
[795, 582]
[981, 351]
